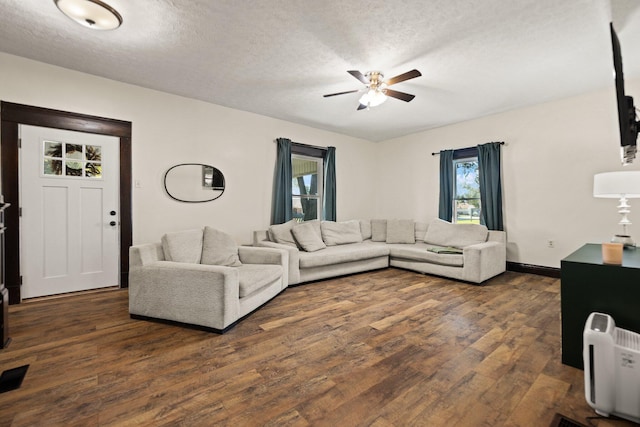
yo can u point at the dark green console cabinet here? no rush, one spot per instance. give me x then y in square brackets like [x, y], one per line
[588, 285]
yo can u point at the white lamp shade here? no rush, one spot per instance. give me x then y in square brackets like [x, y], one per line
[614, 185]
[373, 98]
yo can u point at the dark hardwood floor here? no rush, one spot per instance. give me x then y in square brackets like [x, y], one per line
[386, 348]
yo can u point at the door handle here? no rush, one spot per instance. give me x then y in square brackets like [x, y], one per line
[112, 223]
[112, 213]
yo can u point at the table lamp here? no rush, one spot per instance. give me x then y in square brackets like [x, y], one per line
[621, 185]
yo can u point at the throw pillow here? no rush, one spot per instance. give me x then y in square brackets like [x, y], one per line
[307, 237]
[183, 246]
[219, 248]
[421, 231]
[443, 233]
[341, 233]
[400, 231]
[281, 233]
[379, 230]
[316, 226]
[365, 229]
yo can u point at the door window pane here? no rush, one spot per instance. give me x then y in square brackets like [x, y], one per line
[93, 153]
[52, 167]
[93, 170]
[73, 151]
[53, 149]
[73, 168]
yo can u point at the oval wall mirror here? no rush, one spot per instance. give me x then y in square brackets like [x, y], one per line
[193, 182]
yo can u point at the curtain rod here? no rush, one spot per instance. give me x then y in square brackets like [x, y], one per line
[437, 153]
[306, 145]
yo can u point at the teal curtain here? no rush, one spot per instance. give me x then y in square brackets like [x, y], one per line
[282, 211]
[445, 210]
[329, 203]
[490, 185]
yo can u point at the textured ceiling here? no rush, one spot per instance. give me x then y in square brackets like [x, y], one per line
[277, 58]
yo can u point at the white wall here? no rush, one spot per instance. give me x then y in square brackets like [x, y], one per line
[169, 129]
[552, 152]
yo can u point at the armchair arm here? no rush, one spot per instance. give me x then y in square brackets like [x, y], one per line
[294, 259]
[205, 295]
[261, 255]
[140, 255]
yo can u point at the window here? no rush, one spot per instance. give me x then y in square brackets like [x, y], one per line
[466, 192]
[305, 183]
[306, 190]
[71, 160]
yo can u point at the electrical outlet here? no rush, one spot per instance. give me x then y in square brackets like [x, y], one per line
[551, 244]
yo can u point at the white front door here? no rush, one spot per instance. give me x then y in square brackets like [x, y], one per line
[69, 225]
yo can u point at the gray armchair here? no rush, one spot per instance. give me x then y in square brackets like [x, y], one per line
[201, 278]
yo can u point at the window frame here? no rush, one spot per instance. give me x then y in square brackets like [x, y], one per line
[309, 153]
[462, 156]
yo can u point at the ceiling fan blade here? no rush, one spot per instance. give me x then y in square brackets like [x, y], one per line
[399, 95]
[361, 107]
[358, 75]
[341, 93]
[405, 76]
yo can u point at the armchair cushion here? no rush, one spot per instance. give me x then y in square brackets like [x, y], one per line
[219, 248]
[183, 246]
[256, 276]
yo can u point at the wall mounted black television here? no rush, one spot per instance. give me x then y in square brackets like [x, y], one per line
[626, 109]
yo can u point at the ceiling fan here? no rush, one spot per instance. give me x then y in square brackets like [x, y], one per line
[377, 89]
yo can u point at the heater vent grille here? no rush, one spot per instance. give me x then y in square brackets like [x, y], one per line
[628, 339]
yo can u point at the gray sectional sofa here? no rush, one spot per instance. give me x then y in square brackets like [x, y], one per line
[324, 249]
[203, 278]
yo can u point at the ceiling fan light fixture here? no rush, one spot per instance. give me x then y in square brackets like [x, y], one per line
[93, 14]
[373, 98]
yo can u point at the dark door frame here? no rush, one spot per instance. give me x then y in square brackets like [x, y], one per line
[12, 115]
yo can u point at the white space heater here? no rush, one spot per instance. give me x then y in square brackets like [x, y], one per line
[611, 368]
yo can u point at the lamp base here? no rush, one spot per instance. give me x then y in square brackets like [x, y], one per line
[625, 239]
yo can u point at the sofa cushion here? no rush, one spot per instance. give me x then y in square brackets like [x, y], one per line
[340, 233]
[219, 248]
[421, 230]
[281, 233]
[316, 226]
[401, 231]
[443, 233]
[307, 237]
[254, 277]
[365, 229]
[342, 253]
[420, 252]
[183, 246]
[379, 230]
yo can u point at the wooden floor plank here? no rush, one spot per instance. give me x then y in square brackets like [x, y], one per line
[387, 348]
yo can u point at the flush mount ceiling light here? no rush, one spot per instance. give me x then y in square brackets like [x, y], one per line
[91, 13]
